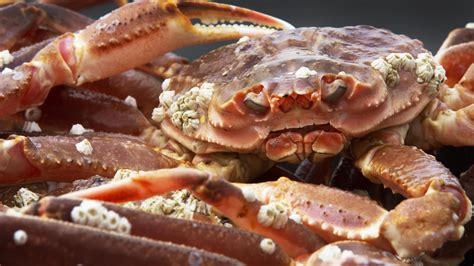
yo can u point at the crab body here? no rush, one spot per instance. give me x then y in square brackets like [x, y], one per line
[263, 97]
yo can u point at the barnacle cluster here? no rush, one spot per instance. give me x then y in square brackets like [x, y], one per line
[179, 204]
[426, 70]
[94, 214]
[186, 111]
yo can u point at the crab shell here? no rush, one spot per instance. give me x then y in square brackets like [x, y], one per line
[268, 71]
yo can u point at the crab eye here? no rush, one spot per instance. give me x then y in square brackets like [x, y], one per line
[334, 91]
[256, 102]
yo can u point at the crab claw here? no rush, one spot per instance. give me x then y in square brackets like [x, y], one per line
[126, 38]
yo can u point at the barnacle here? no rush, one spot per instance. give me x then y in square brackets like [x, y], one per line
[304, 72]
[78, 129]
[267, 245]
[5, 58]
[33, 114]
[187, 110]
[84, 147]
[274, 214]
[31, 127]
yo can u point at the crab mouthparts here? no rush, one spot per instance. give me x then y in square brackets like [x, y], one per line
[314, 142]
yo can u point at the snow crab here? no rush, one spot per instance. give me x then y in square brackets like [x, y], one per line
[230, 115]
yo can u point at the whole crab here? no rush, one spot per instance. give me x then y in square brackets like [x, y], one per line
[301, 93]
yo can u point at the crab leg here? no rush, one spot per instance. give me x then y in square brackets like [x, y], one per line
[26, 238]
[449, 119]
[16, 20]
[238, 244]
[457, 54]
[142, 30]
[92, 110]
[437, 203]
[58, 158]
[226, 198]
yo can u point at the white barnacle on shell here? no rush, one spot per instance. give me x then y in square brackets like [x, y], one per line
[5, 58]
[84, 147]
[439, 73]
[382, 66]
[124, 174]
[131, 101]
[33, 114]
[296, 218]
[176, 119]
[403, 61]
[31, 127]
[166, 98]
[393, 78]
[330, 253]
[407, 62]
[187, 110]
[124, 226]
[248, 194]
[166, 84]
[25, 197]
[274, 214]
[92, 213]
[424, 71]
[190, 126]
[304, 72]
[180, 204]
[158, 114]
[394, 59]
[78, 129]
[388, 68]
[20, 237]
[267, 245]
[7, 71]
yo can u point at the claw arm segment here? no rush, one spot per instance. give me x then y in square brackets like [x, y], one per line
[144, 185]
[437, 207]
[226, 198]
[16, 20]
[331, 213]
[149, 29]
[56, 158]
[229, 200]
[412, 173]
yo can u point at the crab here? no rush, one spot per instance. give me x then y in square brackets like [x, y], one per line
[230, 115]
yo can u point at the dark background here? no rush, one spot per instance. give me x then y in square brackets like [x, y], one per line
[428, 21]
